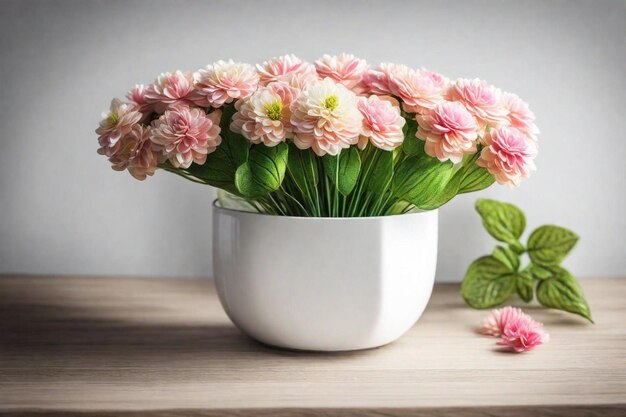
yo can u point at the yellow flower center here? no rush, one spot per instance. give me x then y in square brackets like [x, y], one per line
[113, 119]
[331, 102]
[274, 110]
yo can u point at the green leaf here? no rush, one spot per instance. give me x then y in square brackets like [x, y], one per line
[302, 167]
[381, 172]
[507, 257]
[263, 172]
[524, 285]
[411, 145]
[549, 245]
[562, 291]
[538, 271]
[343, 169]
[420, 179]
[487, 283]
[475, 179]
[450, 190]
[504, 221]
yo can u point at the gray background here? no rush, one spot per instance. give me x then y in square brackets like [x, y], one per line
[64, 211]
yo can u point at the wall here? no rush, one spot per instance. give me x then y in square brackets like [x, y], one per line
[64, 211]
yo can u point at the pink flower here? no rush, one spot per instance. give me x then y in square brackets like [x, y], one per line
[143, 161]
[171, 89]
[508, 155]
[499, 318]
[483, 100]
[523, 334]
[299, 81]
[449, 131]
[518, 331]
[281, 68]
[117, 123]
[382, 122]
[264, 117]
[325, 118]
[137, 97]
[519, 115]
[377, 81]
[186, 135]
[345, 69]
[225, 81]
[419, 90]
[136, 154]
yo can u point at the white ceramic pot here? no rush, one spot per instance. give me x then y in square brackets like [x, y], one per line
[325, 284]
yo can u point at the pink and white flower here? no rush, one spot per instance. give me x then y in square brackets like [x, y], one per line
[264, 117]
[499, 318]
[523, 334]
[225, 81]
[117, 122]
[419, 90]
[449, 130]
[345, 69]
[517, 330]
[171, 89]
[299, 81]
[519, 115]
[186, 135]
[136, 154]
[482, 99]
[377, 81]
[144, 159]
[325, 117]
[508, 155]
[382, 122]
[282, 68]
[137, 96]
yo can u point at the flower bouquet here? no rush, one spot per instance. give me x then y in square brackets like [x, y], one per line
[348, 161]
[331, 139]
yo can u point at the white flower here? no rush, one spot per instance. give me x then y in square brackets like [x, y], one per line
[264, 117]
[325, 117]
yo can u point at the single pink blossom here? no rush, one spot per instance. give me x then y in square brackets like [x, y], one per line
[382, 122]
[264, 117]
[499, 318]
[377, 81]
[225, 81]
[186, 135]
[345, 69]
[282, 68]
[136, 154]
[508, 155]
[117, 122]
[482, 99]
[137, 97]
[144, 159]
[519, 115]
[523, 334]
[300, 81]
[171, 89]
[449, 130]
[419, 90]
[438, 79]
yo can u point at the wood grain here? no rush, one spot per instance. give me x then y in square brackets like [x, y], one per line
[72, 346]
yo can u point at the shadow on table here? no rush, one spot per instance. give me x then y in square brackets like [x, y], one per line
[34, 329]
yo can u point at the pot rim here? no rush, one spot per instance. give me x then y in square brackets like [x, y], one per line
[217, 207]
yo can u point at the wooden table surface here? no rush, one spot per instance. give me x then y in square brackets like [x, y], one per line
[162, 347]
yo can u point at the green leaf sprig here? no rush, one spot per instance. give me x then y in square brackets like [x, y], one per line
[490, 280]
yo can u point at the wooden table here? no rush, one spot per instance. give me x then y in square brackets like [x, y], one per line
[162, 347]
